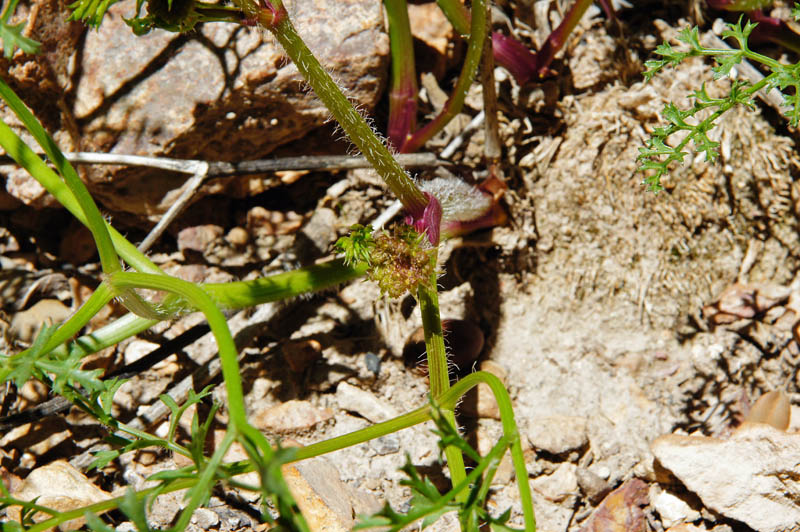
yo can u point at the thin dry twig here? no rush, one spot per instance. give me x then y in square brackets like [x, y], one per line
[227, 169]
[190, 188]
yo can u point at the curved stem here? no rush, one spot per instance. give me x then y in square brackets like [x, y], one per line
[230, 296]
[198, 298]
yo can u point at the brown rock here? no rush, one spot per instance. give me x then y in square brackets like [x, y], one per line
[772, 408]
[621, 511]
[327, 503]
[25, 325]
[238, 236]
[434, 37]
[231, 96]
[558, 434]
[560, 485]
[592, 486]
[364, 403]
[291, 416]
[199, 238]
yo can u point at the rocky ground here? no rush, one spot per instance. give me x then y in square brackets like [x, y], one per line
[634, 331]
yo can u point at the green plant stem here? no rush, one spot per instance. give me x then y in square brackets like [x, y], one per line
[448, 400]
[99, 298]
[230, 296]
[455, 103]
[362, 135]
[437, 370]
[31, 162]
[200, 300]
[280, 286]
[403, 94]
[94, 220]
[457, 14]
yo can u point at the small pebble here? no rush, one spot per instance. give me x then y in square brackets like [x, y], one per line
[238, 236]
[385, 444]
[373, 363]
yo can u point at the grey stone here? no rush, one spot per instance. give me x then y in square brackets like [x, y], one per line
[750, 477]
[558, 434]
[364, 403]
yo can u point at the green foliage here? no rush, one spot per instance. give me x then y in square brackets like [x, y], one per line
[428, 504]
[399, 261]
[12, 35]
[357, 246]
[699, 119]
[90, 12]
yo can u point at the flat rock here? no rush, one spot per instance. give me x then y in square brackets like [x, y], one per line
[751, 477]
[363, 403]
[26, 325]
[560, 485]
[672, 509]
[61, 487]
[558, 434]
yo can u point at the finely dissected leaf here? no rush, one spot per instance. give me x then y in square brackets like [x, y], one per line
[357, 246]
[12, 39]
[177, 411]
[12, 35]
[106, 397]
[91, 11]
[103, 458]
[691, 36]
[656, 156]
[726, 63]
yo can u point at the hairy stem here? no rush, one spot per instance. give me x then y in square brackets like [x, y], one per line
[437, 370]
[275, 19]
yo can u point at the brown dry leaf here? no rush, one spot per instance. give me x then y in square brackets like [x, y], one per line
[621, 510]
[772, 408]
[744, 301]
